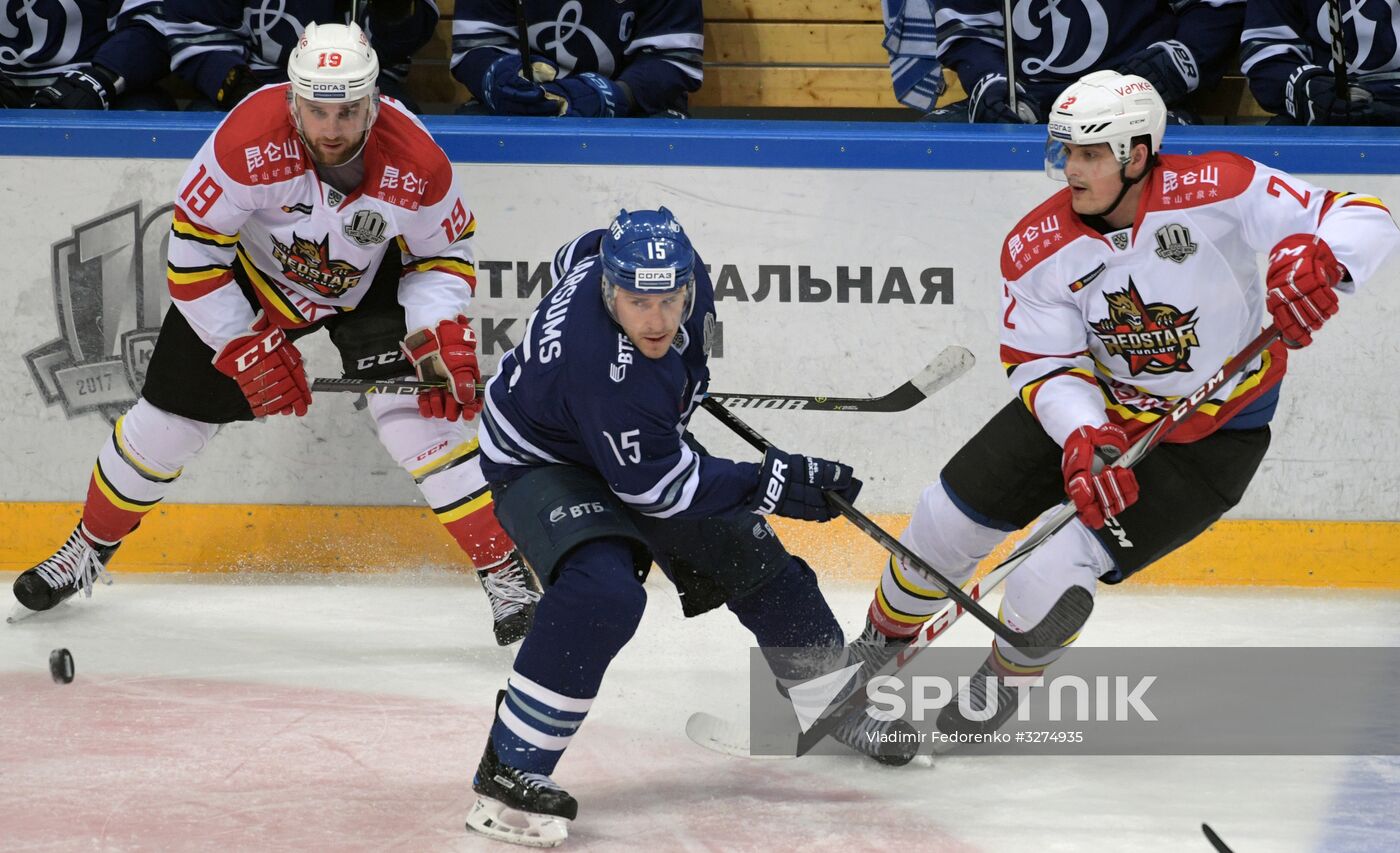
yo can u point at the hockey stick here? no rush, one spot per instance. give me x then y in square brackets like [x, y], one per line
[1215, 840]
[1029, 639]
[522, 40]
[1010, 57]
[948, 365]
[1339, 49]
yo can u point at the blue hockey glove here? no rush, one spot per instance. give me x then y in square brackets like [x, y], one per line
[507, 92]
[1169, 66]
[590, 96]
[792, 485]
[1311, 97]
[90, 88]
[988, 102]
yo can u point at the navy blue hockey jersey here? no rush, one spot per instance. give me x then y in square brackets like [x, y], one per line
[41, 39]
[654, 46]
[1059, 41]
[576, 392]
[209, 37]
[1282, 35]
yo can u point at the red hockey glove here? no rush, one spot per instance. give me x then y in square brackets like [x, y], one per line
[267, 368]
[1302, 273]
[1102, 494]
[446, 354]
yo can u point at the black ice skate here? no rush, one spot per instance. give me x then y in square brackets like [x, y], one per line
[893, 742]
[76, 567]
[874, 649]
[952, 720]
[518, 807]
[513, 591]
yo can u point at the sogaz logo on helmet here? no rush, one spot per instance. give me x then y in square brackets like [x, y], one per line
[1060, 130]
[656, 279]
[328, 90]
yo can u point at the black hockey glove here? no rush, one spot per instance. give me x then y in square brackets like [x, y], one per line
[1169, 66]
[238, 84]
[989, 102]
[1311, 97]
[90, 88]
[793, 486]
[11, 96]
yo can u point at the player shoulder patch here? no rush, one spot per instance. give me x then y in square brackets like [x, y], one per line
[257, 144]
[403, 164]
[1040, 234]
[1192, 181]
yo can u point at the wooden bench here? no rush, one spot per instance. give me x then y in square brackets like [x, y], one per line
[784, 54]
[758, 53]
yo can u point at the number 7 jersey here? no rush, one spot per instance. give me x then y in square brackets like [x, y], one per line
[1115, 327]
[252, 194]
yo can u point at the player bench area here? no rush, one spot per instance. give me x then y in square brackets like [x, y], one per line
[790, 59]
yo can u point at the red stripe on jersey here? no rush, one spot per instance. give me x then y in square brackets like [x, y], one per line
[469, 278]
[184, 292]
[1367, 204]
[1328, 199]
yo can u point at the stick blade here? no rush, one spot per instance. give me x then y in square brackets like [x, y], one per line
[948, 365]
[1060, 624]
[723, 736]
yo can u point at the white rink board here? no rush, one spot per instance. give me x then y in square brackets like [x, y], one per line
[1336, 451]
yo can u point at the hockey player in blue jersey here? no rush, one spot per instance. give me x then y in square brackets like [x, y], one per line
[84, 55]
[584, 441]
[227, 49]
[1179, 46]
[1287, 49]
[589, 60]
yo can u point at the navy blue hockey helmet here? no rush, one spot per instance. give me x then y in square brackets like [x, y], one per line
[646, 251]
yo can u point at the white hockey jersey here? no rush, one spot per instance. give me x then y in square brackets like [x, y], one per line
[311, 251]
[1100, 328]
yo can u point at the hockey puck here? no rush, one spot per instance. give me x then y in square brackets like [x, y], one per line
[61, 666]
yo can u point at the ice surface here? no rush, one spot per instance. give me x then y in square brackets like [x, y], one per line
[335, 713]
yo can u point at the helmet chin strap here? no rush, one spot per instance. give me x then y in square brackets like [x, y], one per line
[1128, 183]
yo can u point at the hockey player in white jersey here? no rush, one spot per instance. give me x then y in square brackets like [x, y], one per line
[1121, 292]
[314, 204]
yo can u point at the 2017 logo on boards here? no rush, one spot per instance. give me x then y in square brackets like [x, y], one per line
[110, 293]
[1154, 338]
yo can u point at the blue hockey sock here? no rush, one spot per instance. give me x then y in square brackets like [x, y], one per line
[789, 612]
[581, 623]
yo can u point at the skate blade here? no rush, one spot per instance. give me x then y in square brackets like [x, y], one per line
[19, 613]
[495, 819]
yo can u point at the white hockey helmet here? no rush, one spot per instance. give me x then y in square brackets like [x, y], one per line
[1104, 106]
[333, 63]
